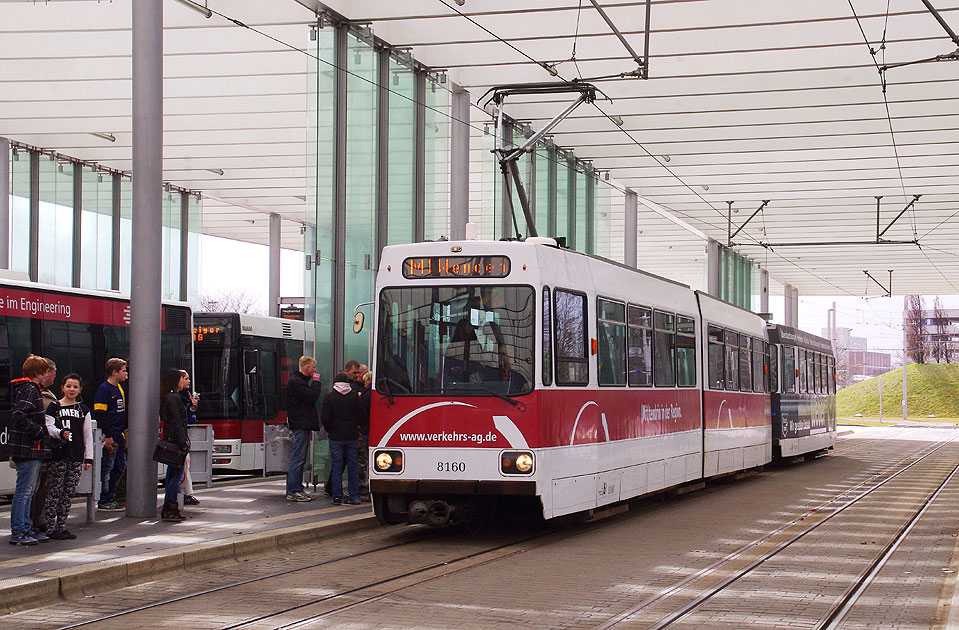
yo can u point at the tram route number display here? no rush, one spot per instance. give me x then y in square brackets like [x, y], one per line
[429, 267]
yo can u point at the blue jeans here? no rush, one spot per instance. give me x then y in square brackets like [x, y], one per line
[174, 475]
[112, 467]
[27, 472]
[294, 476]
[339, 450]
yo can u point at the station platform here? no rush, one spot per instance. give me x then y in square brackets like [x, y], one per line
[235, 519]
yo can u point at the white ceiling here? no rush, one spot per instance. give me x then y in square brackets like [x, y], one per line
[750, 100]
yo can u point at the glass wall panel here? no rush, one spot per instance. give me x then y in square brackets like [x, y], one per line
[361, 118]
[56, 223]
[582, 212]
[437, 140]
[126, 234]
[193, 249]
[321, 99]
[20, 211]
[490, 182]
[96, 230]
[562, 199]
[401, 191]
[540, 186]
[171, 213]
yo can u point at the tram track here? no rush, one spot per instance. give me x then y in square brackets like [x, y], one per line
[371, 591]
[817, 517]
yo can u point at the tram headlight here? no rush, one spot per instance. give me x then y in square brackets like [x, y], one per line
[388, 461]
[516, 463]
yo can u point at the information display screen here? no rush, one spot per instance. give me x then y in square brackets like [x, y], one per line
[210, 335]
[430, 267]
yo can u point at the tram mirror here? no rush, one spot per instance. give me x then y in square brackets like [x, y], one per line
[358, 320]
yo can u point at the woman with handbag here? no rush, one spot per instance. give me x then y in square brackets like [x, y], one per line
[175, 444]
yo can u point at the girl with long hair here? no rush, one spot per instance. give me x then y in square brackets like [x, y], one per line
[173, 414]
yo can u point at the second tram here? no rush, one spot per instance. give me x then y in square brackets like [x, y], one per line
[243, 363]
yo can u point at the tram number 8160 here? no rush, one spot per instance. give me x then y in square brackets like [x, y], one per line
[450, 466]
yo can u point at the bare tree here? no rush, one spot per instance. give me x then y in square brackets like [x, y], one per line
[913, 342]
[940, 341]
[232, 301]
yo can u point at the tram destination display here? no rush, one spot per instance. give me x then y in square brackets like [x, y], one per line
[431, 267]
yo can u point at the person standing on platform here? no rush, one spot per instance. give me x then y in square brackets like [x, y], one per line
[40, 494]
[110, 412]
[352, 371]
[70, 426]
[28, 447]
[363, 451]
[190, 401]
[341, 419]
[173, 414]
[302, 392]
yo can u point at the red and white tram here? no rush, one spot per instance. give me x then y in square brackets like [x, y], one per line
[521, 371]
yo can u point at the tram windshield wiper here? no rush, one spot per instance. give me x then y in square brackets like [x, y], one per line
[486, 390]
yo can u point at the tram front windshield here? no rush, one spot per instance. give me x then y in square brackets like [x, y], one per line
[456, 341]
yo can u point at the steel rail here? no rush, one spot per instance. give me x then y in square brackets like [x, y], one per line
[918, 456]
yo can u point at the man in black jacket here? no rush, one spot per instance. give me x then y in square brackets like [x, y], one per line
[302, 392]
[341, 419]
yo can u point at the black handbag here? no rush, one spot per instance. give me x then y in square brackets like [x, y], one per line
[169, 453]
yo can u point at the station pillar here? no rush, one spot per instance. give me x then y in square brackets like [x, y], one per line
[459, 163]
[763, 291]
[788, 306]
[713, 278]
[146, 287]
[274, 292]
[4, 203]
[629, 236]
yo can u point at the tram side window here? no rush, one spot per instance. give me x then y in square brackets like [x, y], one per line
[803, 370]
[745, 361]
[715, 357]
[611, 330]
[547, 339]
[823, 376]
[685, 351]
[817, 368]
[732, 360]
[789, 370]
[759, 374]
[832, 375]
[664, 349]
[572, 365]
[773, 363]
[639, 346]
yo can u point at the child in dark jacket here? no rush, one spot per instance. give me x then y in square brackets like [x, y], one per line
[28, 447]
[341, 418]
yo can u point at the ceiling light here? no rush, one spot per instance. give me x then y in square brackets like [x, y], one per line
[617, 120]
[199, 8]
[460, 2]
[216, 171]
[665, 158]
[705, 186]
[109, 137]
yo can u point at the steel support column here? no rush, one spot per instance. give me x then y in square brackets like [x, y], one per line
[274, 283]
[551, 175]
[713, 278]
[506, 200]
[590, 235]
[382, 154]
[77, 221]
[459, 163]
[117, 191]
[147, 264]
[339, 198]
[5, 186]
[629, 244]
[184, 246]
[788, 306]
[34, 268]
[763, 291]
[419, 170]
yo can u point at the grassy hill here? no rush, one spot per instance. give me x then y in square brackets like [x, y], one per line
[933, 389]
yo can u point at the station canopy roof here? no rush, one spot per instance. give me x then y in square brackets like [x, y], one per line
[745, 101]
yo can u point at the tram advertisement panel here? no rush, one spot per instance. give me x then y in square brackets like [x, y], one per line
[800, 415]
